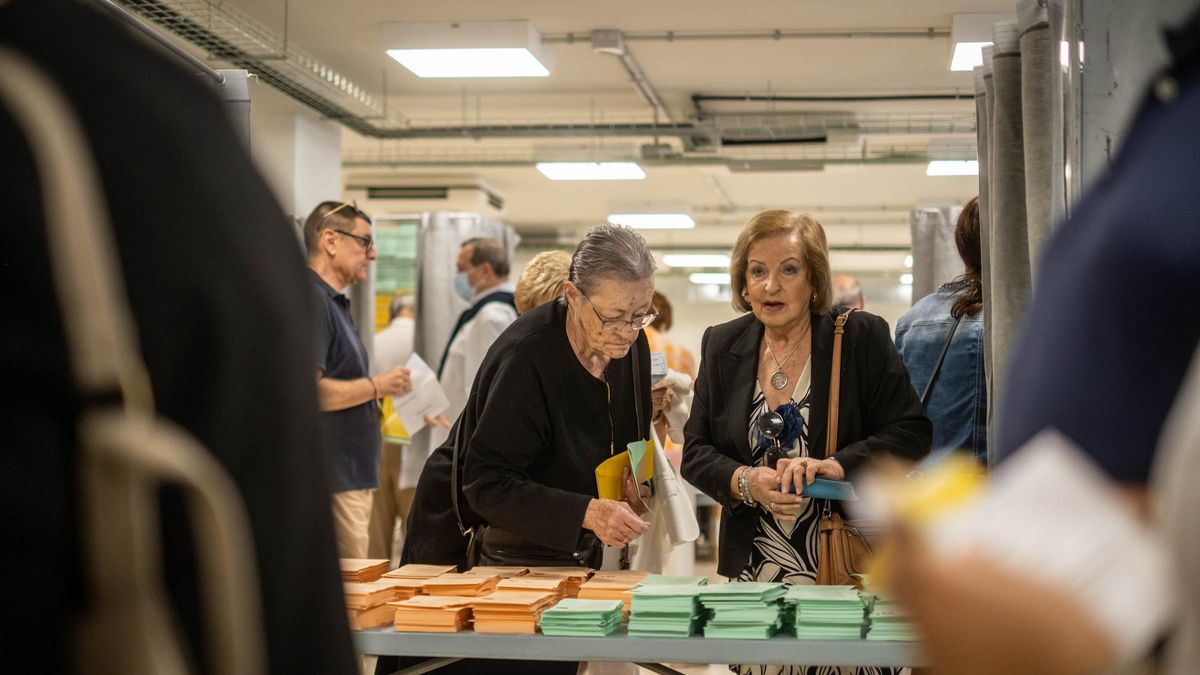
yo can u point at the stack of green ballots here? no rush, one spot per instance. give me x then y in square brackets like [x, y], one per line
[573, 617]
[668, 580]
[743, 609]
[661, 610]
[889, 622]
[825, 612]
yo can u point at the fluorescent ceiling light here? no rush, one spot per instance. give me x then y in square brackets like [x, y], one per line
[908, 261]
[504, 62]
[591, 170]
[906, 279]
[970, 33]
[967, 55]
[468, 48]
[953, 167]
[709, 278]
[696, 260]
[653, 221]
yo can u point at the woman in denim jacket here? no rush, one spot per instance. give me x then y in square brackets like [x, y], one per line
[957, 402]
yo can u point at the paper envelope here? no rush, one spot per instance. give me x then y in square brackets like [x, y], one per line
[610, 471]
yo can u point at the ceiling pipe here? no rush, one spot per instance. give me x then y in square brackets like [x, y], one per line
[612, 41]
[771, 34]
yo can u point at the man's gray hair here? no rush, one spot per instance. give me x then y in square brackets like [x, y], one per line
[610, 252]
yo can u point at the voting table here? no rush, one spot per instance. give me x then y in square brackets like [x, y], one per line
[647, 652]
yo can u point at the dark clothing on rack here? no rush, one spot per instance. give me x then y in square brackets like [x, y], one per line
[216, 283]
[1104, 350]
[879, 413]
[340, 355]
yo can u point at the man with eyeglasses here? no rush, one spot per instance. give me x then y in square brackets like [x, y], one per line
[338, 240]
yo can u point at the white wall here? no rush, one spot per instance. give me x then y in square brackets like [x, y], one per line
[298, 151]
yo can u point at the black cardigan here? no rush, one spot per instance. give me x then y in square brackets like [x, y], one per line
[538, 424]
[879, 412]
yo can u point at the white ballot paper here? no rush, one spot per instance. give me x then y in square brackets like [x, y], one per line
[1050, 513]
[425, 399]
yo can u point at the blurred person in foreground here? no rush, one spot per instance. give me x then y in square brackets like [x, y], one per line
[226, 340]
[778, 357]
[941, 342]
[1084, 367]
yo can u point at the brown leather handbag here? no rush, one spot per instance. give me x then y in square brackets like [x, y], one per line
[842, 549]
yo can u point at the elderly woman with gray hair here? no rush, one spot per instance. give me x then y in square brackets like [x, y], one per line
[554, 398]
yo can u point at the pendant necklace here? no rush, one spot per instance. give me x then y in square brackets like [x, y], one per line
[779, 379]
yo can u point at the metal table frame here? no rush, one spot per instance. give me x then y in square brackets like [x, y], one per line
[445, 648]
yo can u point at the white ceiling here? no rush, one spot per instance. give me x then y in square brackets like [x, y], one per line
[862, 205]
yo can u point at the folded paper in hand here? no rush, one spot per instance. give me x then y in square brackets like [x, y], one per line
[611, 471]
[426, 398]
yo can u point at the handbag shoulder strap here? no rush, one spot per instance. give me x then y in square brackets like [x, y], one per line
[643, 431]
[454, 452]
[835, 383]
[938, 366]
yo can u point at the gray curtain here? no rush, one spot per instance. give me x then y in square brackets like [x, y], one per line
[935, 255]
[1019, 108]
[1037, 118]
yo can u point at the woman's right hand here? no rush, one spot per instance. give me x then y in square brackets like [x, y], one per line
[614, 522]
[764, 489]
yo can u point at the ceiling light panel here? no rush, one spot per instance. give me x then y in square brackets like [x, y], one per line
[944, 167]
[696, 260]
[653, 221]
[591, 170]
[468, 48]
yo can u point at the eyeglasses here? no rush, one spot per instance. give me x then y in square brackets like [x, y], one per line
[353, 204]
[367, 242]
[614, 325]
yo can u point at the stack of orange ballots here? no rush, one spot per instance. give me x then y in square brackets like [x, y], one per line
[432, 614]
[510, 611]
[419, 571]
[366, 603]
[362, 569]
[574, 577]
[612, 586]
[468, 585]
[502, 571]
[554, 585]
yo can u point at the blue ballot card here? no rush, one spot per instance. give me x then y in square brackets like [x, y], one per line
[823, 488]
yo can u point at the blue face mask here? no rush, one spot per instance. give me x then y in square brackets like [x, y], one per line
[463, 287]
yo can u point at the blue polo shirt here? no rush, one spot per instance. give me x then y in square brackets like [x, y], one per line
[1116, 314]
[353, 432]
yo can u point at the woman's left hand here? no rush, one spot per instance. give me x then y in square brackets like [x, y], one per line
[637, 496]
[801, 471]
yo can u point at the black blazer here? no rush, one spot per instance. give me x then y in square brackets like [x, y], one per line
[879, 412]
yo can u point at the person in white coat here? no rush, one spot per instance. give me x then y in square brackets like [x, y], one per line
[482, 280]
[391, 501]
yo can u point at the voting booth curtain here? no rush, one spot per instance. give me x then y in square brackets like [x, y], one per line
[1022, 97]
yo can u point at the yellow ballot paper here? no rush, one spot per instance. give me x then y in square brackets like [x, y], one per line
[391, 425]
[640, 454]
